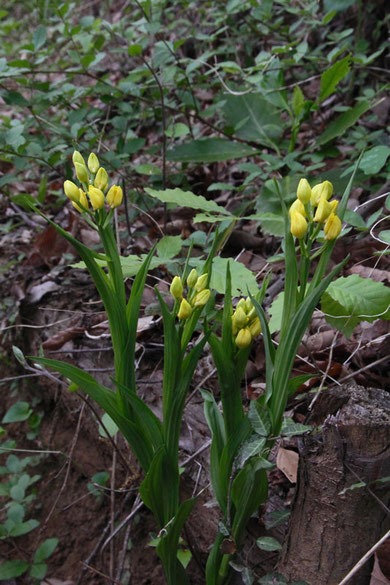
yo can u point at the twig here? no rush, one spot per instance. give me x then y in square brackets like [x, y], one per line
[124, 522]
[122, 555]
[72, 448]
[364, 559]
[102, 574]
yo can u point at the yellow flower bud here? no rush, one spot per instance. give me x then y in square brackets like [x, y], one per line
[201, 283]
[248, 305]
[185, 310]
[83, 201]
[239, 318]
[298, 225]
[324, 210]
[114, 196]
[96, 197]
[176, 288]
[322, 190]
[101, 179]
[298, 207]
[255, 328]
[304, 191]
[93, 163]
[243, 338]
[332, 227]
[71, 191]
[201, 298]
[77, 158]
[81, 172]
[192, 278]
[241, 303]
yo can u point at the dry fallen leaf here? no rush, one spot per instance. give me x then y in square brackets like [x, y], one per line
[287, 462]
[377, 577]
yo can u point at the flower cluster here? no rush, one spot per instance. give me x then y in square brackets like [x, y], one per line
[197, 296]
[314, 201]
[246, 324]
[94, 181]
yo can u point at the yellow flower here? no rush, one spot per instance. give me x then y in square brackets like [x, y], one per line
[332, 227]
[334, 205]
[93, 163]
[201, 283]
[185, 310]
[298, 225]
[297, 206]
[239, 318]
[96, 197]
[176, 288]
[81, 172]
[243, 338]
[83, 201]
[71, 191]
[324, 210]
[304, 191]
[77, 158]
[255, 328]
[201, 298]
[114, 196]
[101, 179]
[192, 278]
[322, 190]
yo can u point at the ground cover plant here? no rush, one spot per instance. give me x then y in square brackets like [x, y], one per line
[205, 123]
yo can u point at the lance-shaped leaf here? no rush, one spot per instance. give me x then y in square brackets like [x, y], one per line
[168, 544]
[106, 399]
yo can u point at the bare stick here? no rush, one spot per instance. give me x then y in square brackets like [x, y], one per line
[364, 559]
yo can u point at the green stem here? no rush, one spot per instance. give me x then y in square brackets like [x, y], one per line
[223, 570]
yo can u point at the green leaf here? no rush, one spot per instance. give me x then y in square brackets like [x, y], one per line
[347, 301]
[253, 446]
[147, 169]
[276, 518]
[209, 150]
[249, 490]
[177, 130]
[290, 428]
[374, 159]
[271, 223]
[18, 412]
[259, 418]
[107, 400]
[45, 550]
[253, 118]
[169, 246]
[19, 355]
[354, 219]
[268, 543]
[343, 122]
[134, 50]
[276, 312]
[186, 199]
[384, 236]
[14, 136]
[298, 100]
[39, 38]
[109, 425]
[12, 569]
[243, 279]
[24, 528]
[38, 570]
[332, 76]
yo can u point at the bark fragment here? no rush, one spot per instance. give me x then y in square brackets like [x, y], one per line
[331, 529]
